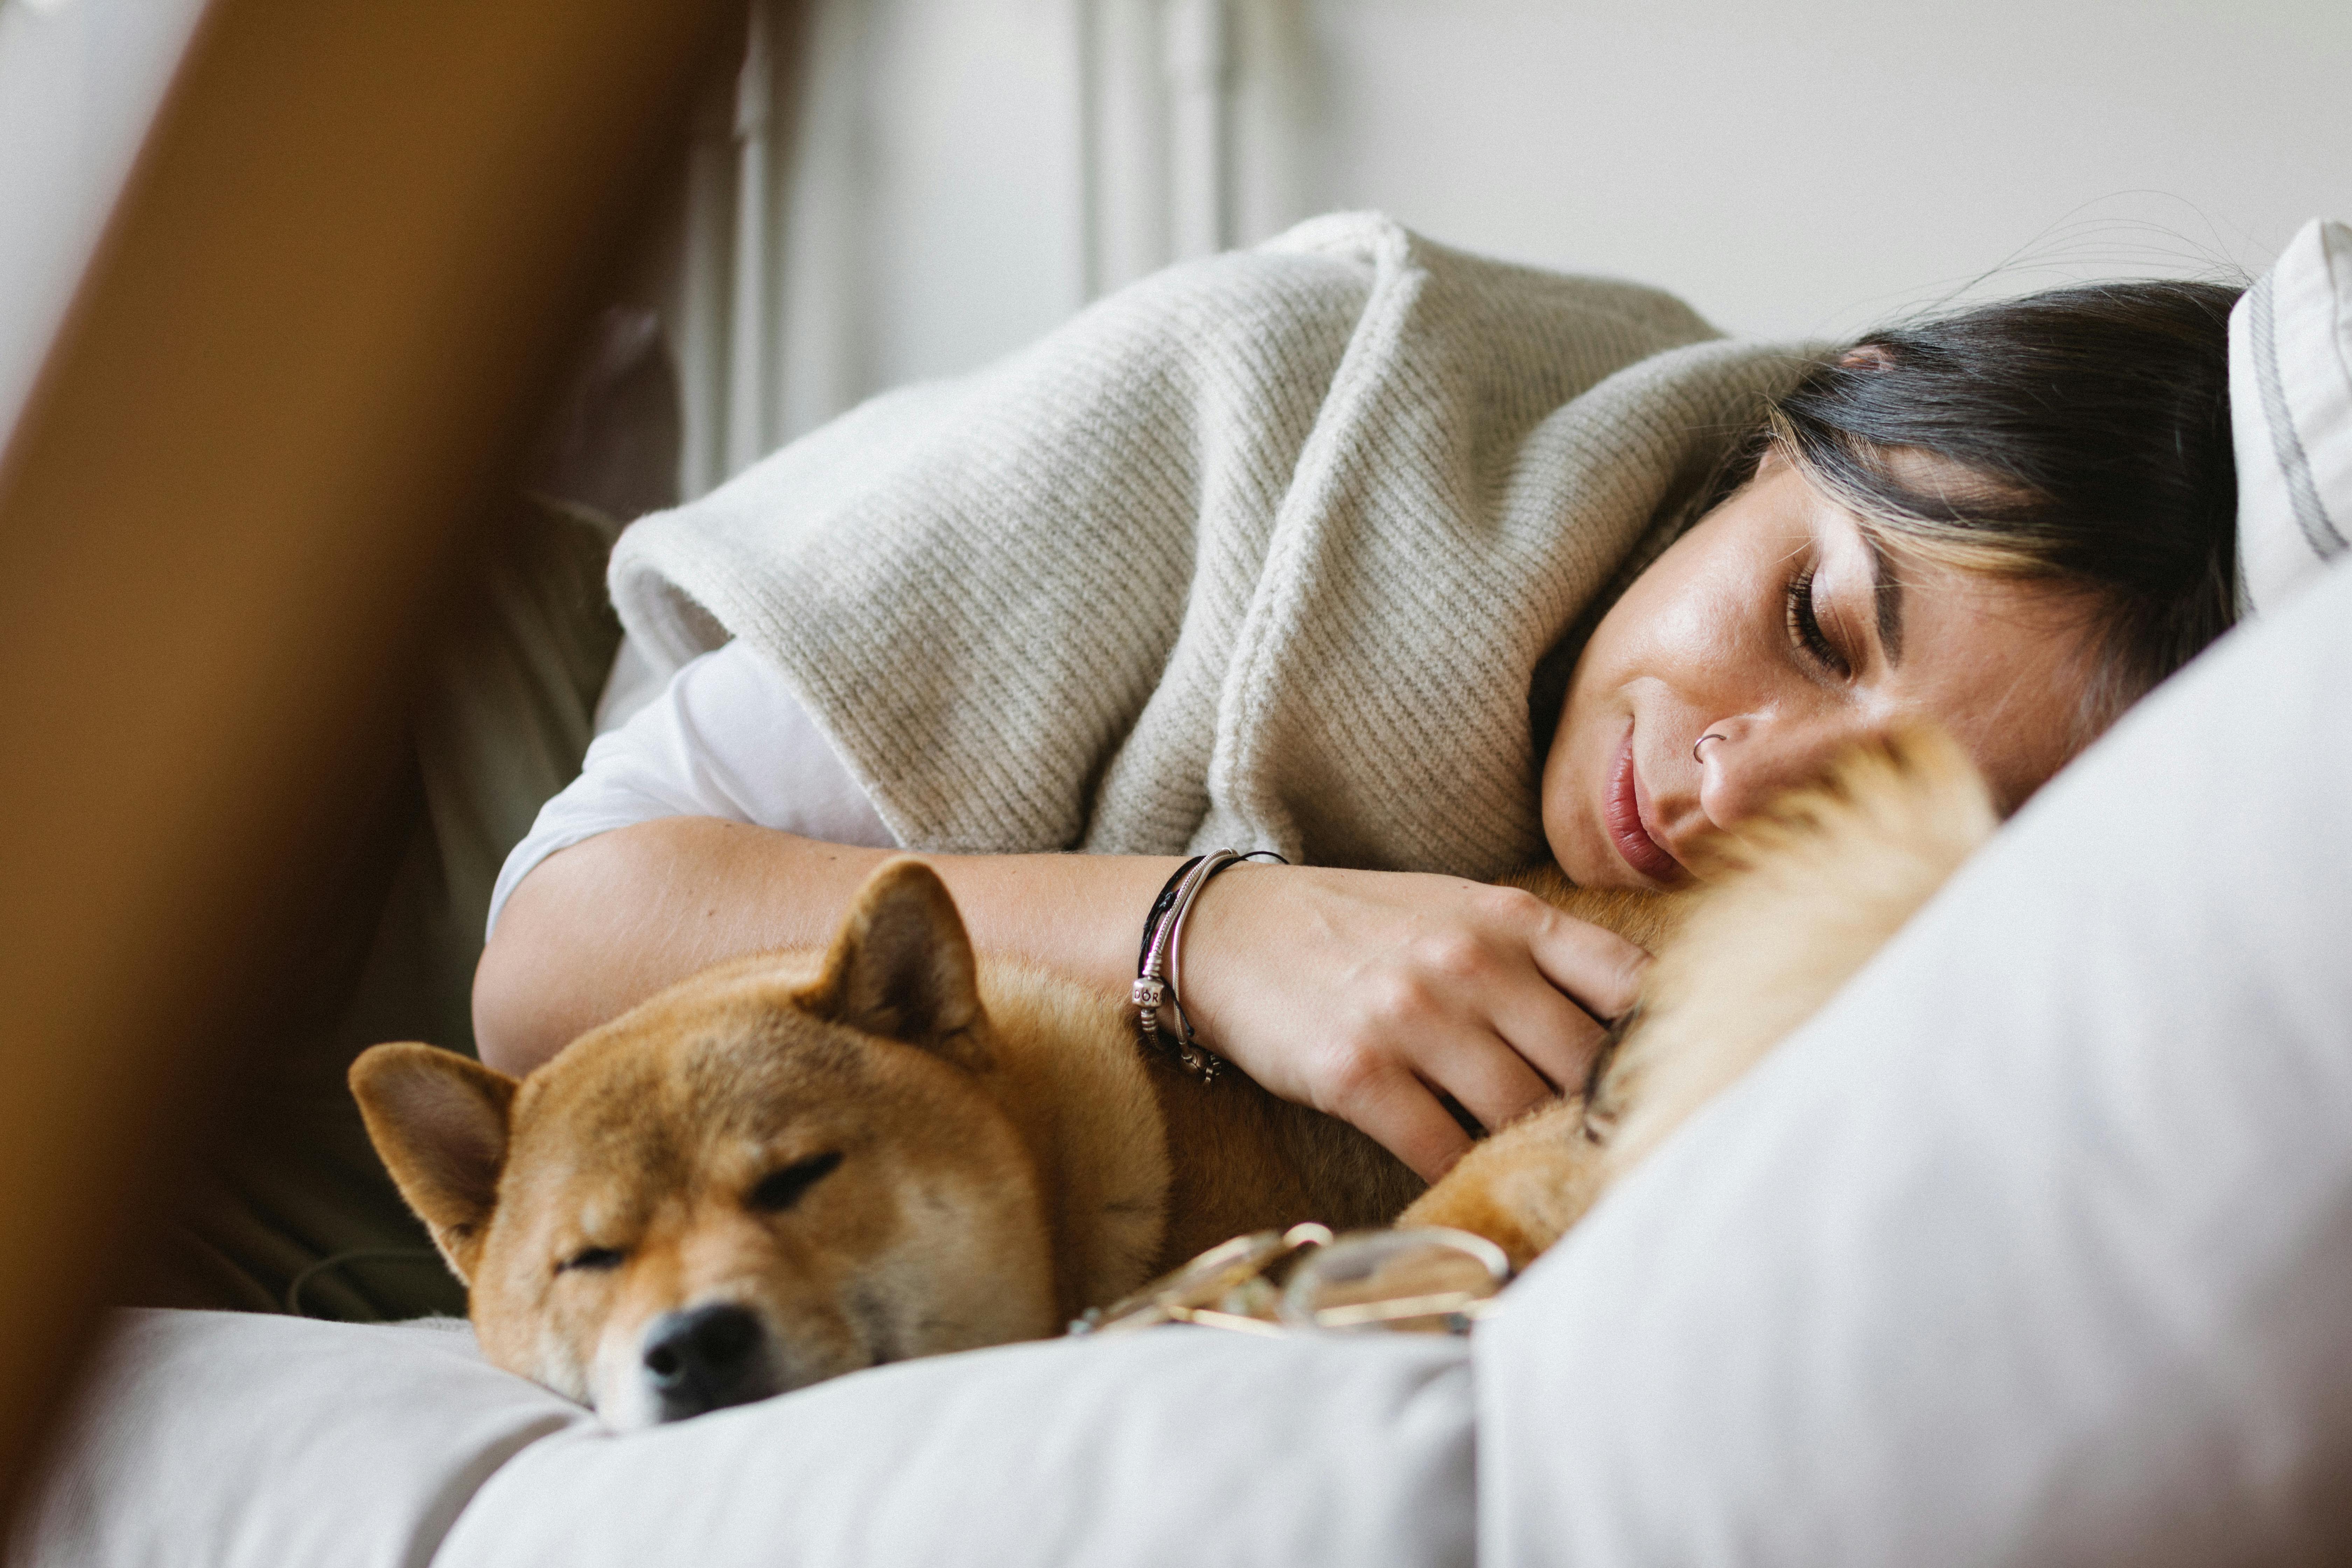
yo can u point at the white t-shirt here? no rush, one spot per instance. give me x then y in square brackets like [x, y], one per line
[725, 738]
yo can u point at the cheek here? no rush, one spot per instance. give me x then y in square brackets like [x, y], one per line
[529, 1326]
[1677, 617]
[1564, 786]
[2020, 727]
[1690, 639]
[973, 1267]
[1712, 636]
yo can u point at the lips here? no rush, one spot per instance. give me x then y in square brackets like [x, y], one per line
[1623, 809]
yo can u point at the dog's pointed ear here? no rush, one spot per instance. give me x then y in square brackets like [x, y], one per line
[901, 967]
[439, 1120]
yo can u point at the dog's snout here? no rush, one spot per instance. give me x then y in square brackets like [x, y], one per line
[705, 1358]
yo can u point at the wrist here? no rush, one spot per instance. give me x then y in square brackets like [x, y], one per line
[1206, 963]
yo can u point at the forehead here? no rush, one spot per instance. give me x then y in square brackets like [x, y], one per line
[673, 1088]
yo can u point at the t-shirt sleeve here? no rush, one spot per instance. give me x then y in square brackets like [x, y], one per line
[725, 737]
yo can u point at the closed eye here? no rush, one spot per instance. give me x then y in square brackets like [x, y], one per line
[780, 1190]
[1805, 626]
[593, 1259]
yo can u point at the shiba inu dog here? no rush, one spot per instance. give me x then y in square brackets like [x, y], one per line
[795, 1165]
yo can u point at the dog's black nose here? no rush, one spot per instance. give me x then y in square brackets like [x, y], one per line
[705, 1358]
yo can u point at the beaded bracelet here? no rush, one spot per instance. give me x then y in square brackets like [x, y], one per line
[1149, 990]
[1158, 963]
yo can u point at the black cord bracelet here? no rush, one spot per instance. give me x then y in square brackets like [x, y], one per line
[1160, 906]
[1157, 961]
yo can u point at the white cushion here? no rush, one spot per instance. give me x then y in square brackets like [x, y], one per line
[266, 1442]
[2036, 1246]
[1180, 1446]
[2291, 414]
[263, 1442]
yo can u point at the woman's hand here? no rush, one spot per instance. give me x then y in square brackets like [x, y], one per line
[1366, 993]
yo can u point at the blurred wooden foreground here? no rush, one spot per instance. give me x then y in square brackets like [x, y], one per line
[359, 238]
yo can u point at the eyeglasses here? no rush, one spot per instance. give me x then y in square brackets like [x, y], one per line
[1423, 1280]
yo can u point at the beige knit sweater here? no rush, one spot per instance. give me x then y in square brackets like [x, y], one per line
[1262, 550]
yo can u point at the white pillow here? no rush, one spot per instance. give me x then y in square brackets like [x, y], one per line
[1176, 1447]
[2291, 414]
[245, 1439]
[2036, 1246]
[249, 1441]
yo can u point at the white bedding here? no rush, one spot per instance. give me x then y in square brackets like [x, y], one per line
[233, 1440]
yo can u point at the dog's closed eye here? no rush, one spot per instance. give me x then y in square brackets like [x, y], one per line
[595, 1258]
[780, 1190]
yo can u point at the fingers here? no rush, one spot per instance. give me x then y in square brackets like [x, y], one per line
[1557, 1037]
[1599, 968]
[1392, 1095]
[1542, 982]
[1398, 1113]
[1489, 1077]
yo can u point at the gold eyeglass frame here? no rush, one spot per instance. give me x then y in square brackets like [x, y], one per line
[1407, 1281]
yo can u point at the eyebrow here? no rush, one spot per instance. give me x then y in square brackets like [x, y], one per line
[1886, 598]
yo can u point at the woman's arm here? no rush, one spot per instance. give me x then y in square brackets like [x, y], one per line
[598, 927]
[1359, 992]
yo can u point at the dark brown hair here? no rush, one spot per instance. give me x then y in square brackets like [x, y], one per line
[2084, 436]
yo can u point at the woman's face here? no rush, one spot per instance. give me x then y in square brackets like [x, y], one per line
[1778, 626]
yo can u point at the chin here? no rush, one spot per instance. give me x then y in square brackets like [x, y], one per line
[1587, 865]
[1573, 833]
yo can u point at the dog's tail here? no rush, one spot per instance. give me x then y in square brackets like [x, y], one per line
[1799, 899]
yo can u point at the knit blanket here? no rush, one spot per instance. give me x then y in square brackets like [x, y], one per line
[1262, 550]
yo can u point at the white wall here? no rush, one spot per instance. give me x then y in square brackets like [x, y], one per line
[79, 79]
[941, 181]
[944, 180]
[906, 202]
[1802, 167]
[1799, 168]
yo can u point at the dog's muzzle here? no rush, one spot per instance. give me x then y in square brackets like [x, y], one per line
[705, 1358]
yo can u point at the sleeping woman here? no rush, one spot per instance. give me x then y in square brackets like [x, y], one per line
[1409, 565]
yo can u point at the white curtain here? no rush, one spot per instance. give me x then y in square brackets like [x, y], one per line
[896, 189]
[905, 188]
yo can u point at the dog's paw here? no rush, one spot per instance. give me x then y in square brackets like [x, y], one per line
[1522, 1188]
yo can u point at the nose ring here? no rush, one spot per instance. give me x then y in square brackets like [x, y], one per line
[1701, 741]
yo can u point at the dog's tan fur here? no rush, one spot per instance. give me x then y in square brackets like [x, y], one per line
[1798, 901]
[1008, 1157]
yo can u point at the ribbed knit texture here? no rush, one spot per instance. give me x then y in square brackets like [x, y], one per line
[1262, 551]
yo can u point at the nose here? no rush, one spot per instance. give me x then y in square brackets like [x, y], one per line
[705, 1358]
[1754, 759]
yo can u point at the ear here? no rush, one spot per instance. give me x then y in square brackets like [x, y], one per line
[901, 967]
[439, 1123]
